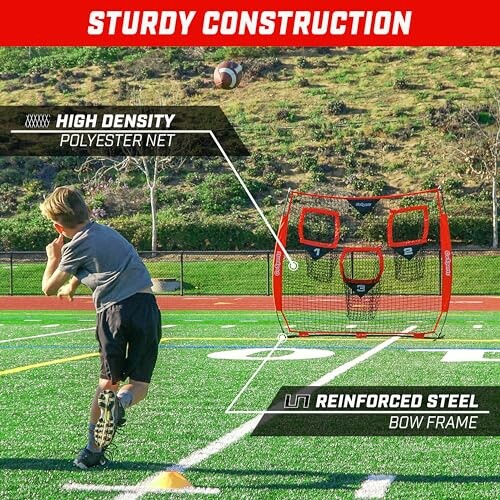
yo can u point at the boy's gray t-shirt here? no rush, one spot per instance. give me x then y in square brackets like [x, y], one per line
[107, 263]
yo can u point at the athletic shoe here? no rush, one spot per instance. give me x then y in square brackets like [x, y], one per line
[87, 459]
[112, 417]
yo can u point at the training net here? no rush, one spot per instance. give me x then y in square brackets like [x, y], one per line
[366, 265]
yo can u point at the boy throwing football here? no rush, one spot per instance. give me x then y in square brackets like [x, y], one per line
[128, 319]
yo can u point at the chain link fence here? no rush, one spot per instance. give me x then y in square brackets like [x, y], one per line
[476, 272]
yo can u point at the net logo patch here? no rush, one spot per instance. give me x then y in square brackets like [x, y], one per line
[361, 289]
[363, 206]
[447, 263]
[277, 264]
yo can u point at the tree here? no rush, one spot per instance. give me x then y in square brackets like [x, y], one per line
[101, 168]
[478, 144]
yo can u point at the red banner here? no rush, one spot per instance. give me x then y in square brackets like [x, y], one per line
[223, 23]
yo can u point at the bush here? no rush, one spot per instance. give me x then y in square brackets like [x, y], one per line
[453, 187]
[32, 196]
[220, 193]
[27, 231]
[8, 199]
[471, 230]
[308, 163]
[43, 59]
[262, 68]
[284, 115]
[273, 179]
[195, 232]
[258, 162]
[336, 107]
[66, 177]
[401, 84]
[303, 63]
[198, 231]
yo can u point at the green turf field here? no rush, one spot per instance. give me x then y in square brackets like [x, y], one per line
[46, 383]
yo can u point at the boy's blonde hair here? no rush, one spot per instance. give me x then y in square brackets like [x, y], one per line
[65, 206]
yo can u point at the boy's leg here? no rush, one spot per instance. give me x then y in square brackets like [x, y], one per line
[142, 346]
[95, 412]
[93, 455]
[109, 412]
[133, 392]
[103, 385]
[104, 413]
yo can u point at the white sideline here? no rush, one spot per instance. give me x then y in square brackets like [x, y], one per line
[138, 489]
[375, 486]
[46, 335]
[236, 434]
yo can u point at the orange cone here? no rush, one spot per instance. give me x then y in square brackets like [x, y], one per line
[170, 480]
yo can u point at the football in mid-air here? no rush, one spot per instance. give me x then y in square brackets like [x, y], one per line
[227, 75]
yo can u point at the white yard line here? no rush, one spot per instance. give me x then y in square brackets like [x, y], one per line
[375, 486]
[49, 326]
[255, 373]
[363, 357]
[138, 489]
[47, 335]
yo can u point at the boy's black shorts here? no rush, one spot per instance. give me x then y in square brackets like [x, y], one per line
[129, 333]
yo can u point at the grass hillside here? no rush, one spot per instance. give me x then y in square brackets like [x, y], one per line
[350, 120]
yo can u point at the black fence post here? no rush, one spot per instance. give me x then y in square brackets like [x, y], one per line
[268, 273]
[11, 275]
[182, 273]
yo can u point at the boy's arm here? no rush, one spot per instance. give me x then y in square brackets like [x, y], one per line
[69, 289]
[53, 279]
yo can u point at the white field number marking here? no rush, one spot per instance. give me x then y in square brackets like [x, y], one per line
[251, 354]
[375, 486]
[463, 355]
